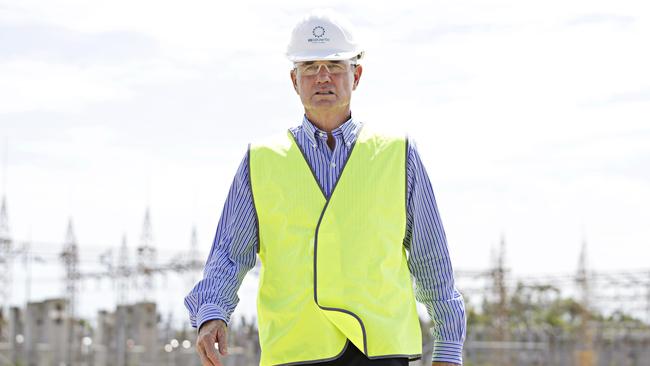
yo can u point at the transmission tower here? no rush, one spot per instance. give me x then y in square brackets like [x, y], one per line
[585, 353]
[5, 252]
[500, 292]
[647, 300]
[5, 268]
[193, 259]
[123, 273]
[499, 288]
[582, 280]
[70, 259]
[146, 257]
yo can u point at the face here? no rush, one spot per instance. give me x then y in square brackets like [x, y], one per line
[325, 85]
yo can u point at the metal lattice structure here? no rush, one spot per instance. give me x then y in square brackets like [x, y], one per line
[70, 259]
[586, 338]
[122, 274]
[146, 259]
[602, 291]
[193, 258]
[5, 266]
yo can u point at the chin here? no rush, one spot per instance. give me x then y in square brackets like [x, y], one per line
[325, 100]
[323, 105]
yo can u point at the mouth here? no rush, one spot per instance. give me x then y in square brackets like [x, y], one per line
[325, 93]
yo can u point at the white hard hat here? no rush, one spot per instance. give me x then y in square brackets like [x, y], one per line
[323, 35]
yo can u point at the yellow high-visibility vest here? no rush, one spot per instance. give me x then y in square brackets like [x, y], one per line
[333, 269]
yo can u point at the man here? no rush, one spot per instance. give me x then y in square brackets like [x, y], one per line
[341, 217]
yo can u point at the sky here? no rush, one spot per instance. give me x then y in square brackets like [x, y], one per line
[531, 119]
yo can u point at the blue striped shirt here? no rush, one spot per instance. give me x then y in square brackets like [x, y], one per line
[234, 248]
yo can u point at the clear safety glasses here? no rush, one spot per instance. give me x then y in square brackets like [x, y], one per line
[311, 68]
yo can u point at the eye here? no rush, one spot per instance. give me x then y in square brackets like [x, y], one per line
[313, 68]
[338, 67]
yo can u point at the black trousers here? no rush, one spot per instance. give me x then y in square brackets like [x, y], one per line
[353, 357]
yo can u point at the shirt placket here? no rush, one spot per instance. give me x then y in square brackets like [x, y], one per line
[322, 136]
[333, 169]
[324, 150]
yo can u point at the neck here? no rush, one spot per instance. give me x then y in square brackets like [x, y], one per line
[328, 120]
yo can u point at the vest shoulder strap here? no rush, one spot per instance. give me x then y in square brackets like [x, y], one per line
[279, 143]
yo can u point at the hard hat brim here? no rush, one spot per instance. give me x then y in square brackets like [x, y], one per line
[324, 56]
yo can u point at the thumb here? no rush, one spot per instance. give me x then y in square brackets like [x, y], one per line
[222, 336]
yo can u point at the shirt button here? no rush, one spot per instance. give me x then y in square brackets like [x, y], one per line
[313, 145]
[333, 164]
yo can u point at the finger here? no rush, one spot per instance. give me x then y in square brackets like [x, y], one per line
[222, 339]
[204, 360]
[211, 353]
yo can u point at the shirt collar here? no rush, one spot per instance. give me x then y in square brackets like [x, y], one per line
[348, 130]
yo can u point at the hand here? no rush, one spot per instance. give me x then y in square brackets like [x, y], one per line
[211, 332]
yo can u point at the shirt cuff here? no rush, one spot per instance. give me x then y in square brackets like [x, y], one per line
[210, 312]
[447, 351]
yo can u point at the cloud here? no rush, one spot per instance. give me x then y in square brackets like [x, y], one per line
[61, 45]
[598, 18]
[197, 30]
[634, 96]
[433, 33]
[41, 85]
[30, 85]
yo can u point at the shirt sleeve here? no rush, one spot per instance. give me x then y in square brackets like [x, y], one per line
[233, 254]
[430, 264]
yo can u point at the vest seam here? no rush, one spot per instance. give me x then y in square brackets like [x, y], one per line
[412, 357]
[250, 184]
[406, 195]
[320, 219]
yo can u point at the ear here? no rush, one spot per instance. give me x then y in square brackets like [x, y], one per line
[294, 81]
[357, 76]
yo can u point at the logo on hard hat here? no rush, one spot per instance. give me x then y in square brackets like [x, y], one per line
[318, 32]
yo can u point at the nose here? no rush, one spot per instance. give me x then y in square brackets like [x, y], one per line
[323, 73]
